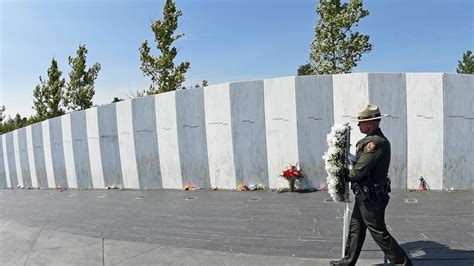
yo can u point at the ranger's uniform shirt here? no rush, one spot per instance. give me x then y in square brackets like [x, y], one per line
[372, 159]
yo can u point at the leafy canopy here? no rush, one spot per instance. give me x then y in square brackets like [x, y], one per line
[466, 66]
[165, 76]
[80, 88]
[336, 47]
[48, 94]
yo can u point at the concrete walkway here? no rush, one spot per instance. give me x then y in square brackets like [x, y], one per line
[172, 227]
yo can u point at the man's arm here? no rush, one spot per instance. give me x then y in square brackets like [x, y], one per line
[366, 162]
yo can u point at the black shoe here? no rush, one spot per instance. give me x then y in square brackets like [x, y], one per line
[335, 263]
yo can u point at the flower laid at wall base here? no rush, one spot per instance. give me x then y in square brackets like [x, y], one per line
[291, 174]
[250, 187]
[189, 186]
[335, 159]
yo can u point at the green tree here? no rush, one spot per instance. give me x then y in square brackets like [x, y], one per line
[3, 124]
[165, 76]
[20, 121]
[336, 47]
[139, 93]
[49, 93]
[7, 125]
[305, 69]
[40, 94]
[33, 119]
[466, 66]
[11, 124]
[80, 88]
[2, 111]
[204, 83]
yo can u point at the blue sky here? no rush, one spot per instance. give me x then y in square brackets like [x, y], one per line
[226, 40]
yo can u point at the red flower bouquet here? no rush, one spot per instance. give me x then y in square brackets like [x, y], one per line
[291, 174]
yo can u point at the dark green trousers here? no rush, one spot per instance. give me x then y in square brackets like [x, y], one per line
[367, 216]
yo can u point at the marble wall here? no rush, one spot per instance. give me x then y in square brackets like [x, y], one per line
[458, 117]
[93, 147]
[126, 139]
[10, 159]
[248, 132]
[219, 136]
[68, 151]
[425, 144]
[388, 90]
[31, 158]
[38, 156]
[23, 158]
[108, 142]
[80, 148]
[146, 142]
[314, 116]
[167, 129]
[16, 152]
[57, 152]
[3, 173]
[440, 116]
[190, 121]
[280, 127]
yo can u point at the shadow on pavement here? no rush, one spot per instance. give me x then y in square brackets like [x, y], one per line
[434, 253]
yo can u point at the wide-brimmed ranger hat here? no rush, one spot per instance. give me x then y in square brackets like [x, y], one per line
[368, 113]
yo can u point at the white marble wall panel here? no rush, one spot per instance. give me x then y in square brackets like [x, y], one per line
[388, 91]
[192, 137]
[68, 151]
[48, 160]
[458, 94]
[424, 129]
[350, 94]
[39, 155]
[5, 161]
[248, 132]
[281, 127]
[23, 157]
[31, 157]
[126, 144]
[219, 136]
[94, 148]
[314, 110]
[168, 140]
[3, 172]
[16, 150]
[469, 119]
[146, 142]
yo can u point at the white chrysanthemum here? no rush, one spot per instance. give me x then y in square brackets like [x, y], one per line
[334, 159]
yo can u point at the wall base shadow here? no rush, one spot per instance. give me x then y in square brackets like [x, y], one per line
[425, 252]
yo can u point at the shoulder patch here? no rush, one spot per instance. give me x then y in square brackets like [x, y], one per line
[370, 146]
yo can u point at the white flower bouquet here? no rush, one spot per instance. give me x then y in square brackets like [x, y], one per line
[335, 159]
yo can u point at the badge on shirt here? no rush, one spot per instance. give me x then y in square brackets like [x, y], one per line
[370, 146]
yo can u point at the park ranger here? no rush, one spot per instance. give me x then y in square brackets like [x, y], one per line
[371, 185]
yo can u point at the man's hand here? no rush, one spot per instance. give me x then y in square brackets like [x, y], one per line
[352, 158]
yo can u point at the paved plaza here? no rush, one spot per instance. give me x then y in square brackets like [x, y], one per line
[205, 227]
